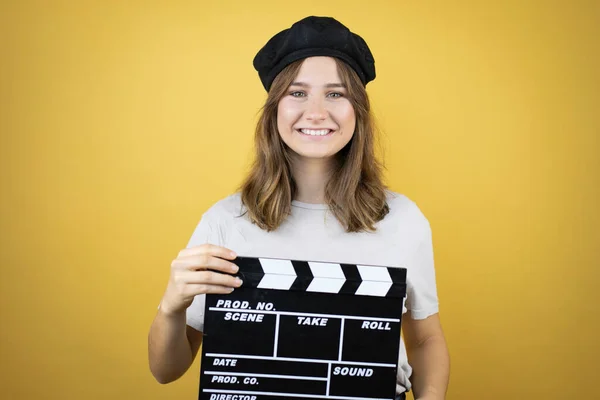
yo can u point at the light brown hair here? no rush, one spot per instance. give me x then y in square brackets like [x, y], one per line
[355, 191]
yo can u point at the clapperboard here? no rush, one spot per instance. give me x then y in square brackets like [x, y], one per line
[304, 330]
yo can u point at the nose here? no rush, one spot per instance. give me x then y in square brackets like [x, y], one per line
[316, 110]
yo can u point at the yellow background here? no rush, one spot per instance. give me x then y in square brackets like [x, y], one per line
[121, 122]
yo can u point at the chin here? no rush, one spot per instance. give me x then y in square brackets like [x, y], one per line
[315, 155]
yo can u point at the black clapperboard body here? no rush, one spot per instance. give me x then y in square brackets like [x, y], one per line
[304, 330]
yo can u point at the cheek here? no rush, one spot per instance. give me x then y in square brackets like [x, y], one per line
[287, 114]
[346, 116]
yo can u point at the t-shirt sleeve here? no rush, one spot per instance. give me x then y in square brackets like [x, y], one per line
[207, 231]
[422, 298]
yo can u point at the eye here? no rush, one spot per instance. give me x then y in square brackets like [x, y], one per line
[335, 94]
[297, 93]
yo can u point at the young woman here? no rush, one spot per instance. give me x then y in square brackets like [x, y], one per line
[315, 193]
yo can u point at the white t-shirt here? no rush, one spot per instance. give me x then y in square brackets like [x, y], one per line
[311, 232]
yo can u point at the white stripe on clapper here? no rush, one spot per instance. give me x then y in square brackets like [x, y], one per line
[325, 285]
[370, 273]
[327, 277]
[376, 281]
[279, 274]
[277, 266]
[326, 270]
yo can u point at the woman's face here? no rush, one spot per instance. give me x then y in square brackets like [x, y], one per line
[315, 118]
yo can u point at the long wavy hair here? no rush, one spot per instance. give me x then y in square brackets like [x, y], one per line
[355, 192]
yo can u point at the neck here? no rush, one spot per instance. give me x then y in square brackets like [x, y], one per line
[311, 176]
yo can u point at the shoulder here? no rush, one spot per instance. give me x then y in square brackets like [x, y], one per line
[406, 214]
[225, 208]
[216, 221]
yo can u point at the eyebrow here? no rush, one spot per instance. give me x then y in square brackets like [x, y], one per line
[328, 85]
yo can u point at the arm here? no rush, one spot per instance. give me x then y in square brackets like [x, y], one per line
[172, 346]
[428, 355]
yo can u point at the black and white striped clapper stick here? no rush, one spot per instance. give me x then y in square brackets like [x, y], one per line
[310, 276]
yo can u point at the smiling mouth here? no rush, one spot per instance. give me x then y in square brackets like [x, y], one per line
[315, 132]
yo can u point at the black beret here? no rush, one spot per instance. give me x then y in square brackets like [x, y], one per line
[309, 37]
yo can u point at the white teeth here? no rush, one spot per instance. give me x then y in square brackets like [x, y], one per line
[315, 132]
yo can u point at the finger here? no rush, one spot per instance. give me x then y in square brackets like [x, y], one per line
[216, 251]
[209, 289]
[211, 278]
[203, 262]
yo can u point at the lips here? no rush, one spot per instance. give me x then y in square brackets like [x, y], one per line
[315, 132]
